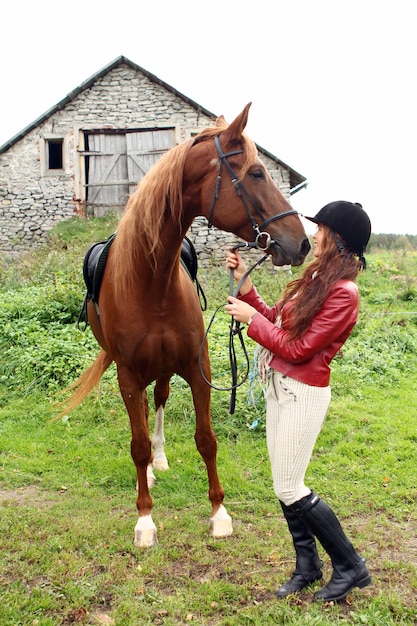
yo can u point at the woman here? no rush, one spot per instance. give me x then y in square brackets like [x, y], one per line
[300, 336]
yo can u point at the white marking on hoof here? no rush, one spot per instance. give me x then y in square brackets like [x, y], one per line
[221, 523]
[150, 477]
[160, 462]
[145, 532]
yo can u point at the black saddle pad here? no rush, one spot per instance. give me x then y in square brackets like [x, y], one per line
[189, 258]
[96, 257]
[93, 268]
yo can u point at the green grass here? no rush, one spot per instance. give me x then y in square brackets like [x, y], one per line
[67, 488]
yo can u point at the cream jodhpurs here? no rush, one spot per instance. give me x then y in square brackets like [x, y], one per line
[295, 413]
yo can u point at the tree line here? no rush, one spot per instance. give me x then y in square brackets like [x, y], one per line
[383, 241]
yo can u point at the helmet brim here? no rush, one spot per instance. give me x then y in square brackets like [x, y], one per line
[312, 219]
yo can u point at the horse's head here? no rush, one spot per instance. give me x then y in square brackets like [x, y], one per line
[236, 192]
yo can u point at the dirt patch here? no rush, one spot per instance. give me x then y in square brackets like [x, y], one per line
[30, 495]
[390, 547]
[392, 562]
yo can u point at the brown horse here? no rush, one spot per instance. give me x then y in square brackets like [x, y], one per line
[148, 320]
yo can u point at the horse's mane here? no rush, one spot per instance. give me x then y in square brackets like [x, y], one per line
[159, 192]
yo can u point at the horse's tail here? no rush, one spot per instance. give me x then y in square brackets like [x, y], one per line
[85, 383]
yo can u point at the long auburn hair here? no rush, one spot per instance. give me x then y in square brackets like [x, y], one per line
[317, 280]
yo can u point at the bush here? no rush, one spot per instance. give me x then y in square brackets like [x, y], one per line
[43, 291]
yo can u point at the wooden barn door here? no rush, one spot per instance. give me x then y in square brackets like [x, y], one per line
[107, 172]
[143, 150]
[116, 162]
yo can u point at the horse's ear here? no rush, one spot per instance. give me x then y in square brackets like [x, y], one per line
[237, 127]
[220, 121]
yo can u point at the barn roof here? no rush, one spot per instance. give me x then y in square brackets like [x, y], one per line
[297, 180]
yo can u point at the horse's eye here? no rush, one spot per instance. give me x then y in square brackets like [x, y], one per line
[257, 174]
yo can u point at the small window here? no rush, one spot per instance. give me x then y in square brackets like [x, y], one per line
[55, 154]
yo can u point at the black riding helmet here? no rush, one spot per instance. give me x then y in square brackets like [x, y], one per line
[349, 221]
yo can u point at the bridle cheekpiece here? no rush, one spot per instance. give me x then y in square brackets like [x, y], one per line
[259, 231]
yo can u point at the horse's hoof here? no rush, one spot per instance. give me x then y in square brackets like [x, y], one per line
[221, 523]
[145, 532]
[161, 465]
[145, 538]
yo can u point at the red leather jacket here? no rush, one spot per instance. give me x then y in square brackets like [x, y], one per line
[306, 359]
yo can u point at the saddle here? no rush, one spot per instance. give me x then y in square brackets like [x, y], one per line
[95, 262]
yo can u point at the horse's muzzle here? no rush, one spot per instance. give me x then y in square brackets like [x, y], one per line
[284, 256]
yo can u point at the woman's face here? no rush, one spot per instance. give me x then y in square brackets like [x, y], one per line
[317, 238]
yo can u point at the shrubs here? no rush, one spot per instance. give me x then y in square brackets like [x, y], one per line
[378, 353]
[39, 343]
[42, 294]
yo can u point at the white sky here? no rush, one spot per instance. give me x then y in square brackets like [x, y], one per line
[333, 83]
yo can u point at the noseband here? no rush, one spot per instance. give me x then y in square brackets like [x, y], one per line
[259, 231]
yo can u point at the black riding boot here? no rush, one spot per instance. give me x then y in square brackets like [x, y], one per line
[349, 569]
[308, 564]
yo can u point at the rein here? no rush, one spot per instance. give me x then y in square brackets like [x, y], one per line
[234, 330]
[259, 233]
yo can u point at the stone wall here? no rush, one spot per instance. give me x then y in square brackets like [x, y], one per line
[211, 244]
[33, 200]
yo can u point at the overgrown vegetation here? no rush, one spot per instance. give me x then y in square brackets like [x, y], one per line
[385, 241]
[67, 488]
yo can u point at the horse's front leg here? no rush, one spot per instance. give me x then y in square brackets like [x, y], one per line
[136, 403]
[220, 520]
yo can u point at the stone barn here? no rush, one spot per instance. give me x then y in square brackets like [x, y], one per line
[85, 155]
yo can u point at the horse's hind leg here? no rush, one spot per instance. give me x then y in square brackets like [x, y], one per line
[220, 520]
[160, 461]
[161, 394]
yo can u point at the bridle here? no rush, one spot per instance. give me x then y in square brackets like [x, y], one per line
[259, 234]
[247, 200]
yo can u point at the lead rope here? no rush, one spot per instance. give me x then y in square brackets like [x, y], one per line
[234, 330]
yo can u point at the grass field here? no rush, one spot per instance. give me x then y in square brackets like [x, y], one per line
[67, 488]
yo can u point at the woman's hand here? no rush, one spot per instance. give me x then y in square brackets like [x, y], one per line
[240, 311]
[235, 262]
